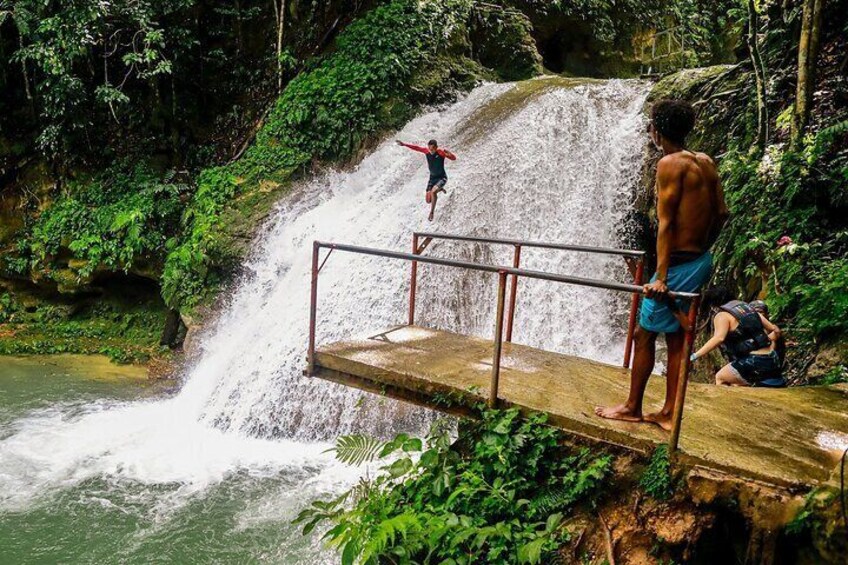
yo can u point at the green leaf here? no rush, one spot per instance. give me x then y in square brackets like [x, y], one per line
[532, 552]
[554, 520]
[413, 445]
[357, 449]
[350, 553]
[399, 468]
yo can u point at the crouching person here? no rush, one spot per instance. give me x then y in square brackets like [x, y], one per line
[747, 339]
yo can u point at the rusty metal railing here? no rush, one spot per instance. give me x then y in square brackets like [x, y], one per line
[634, 259]
[503, 273]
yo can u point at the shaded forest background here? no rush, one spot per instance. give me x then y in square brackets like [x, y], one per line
[141, 143]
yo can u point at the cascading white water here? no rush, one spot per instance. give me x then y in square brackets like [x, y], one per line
[555, 164]
[559, 167]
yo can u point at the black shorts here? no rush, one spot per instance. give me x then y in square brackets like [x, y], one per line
[436, 182]
[756, 368]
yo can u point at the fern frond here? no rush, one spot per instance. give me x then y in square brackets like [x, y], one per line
[553, 498]
[580, 484]
[836, 129]
[357, 449]
[386, 533]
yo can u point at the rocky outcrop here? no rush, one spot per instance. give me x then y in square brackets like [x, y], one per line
[503, 42]
[712, 90]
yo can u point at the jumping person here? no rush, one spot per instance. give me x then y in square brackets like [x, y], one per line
[747, 338]
[690, 213]
[438, 176]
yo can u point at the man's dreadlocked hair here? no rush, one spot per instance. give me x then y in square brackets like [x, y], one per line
[674, 119]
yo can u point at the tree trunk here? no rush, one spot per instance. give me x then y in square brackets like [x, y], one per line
[280, 13]
[239, 30]
[815, 37]
[171, 331]
[24, 71]
[808, 45]
[759, 75]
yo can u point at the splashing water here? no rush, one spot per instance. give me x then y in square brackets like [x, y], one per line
[536, 160]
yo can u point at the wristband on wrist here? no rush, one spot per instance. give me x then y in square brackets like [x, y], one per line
[693, 357]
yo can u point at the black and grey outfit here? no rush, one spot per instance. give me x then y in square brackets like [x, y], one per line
[750, 335]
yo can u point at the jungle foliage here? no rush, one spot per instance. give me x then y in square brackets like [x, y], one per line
[497, 496]
[324, 113]
[798, 237]
[124, 325]
[89, 80]
[139, 108]
[657, 480]
[111, 222]
[789, 204]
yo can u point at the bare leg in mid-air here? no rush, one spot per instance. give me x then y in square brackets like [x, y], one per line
[433, 197]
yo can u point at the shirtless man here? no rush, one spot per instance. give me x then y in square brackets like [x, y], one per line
[438, 176]
[690, 213]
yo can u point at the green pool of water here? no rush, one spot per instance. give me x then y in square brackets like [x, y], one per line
[107, 518]
[29, 383]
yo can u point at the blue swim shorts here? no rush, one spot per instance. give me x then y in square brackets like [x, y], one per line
[655, 316]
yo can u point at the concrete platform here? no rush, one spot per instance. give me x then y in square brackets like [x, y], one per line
[789, 437]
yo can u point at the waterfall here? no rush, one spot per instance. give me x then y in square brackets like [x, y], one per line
[544, 159]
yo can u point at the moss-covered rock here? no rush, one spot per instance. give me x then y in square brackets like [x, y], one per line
[439, 81]
[503, 41]
[29, 189]
[122, 318]
[711, 90]
[830, 364]
[239, 221]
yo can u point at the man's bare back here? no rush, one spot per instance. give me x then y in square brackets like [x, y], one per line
[696, 220]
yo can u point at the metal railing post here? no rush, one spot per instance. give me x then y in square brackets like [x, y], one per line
[413, 281]
[516, 262]
[683, 377]
[313, 306]
[634, 308]
[496, 357]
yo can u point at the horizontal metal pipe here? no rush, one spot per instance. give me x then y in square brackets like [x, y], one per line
[541, 244]
[594, 283]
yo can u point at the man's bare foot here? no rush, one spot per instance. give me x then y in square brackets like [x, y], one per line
[661, 419]
[620, 412]
[430, 217]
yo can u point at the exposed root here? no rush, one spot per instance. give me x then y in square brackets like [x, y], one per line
[608, 542]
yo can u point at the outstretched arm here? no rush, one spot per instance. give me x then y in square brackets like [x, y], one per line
[722, 327]
[446, 154]
[413, 147]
